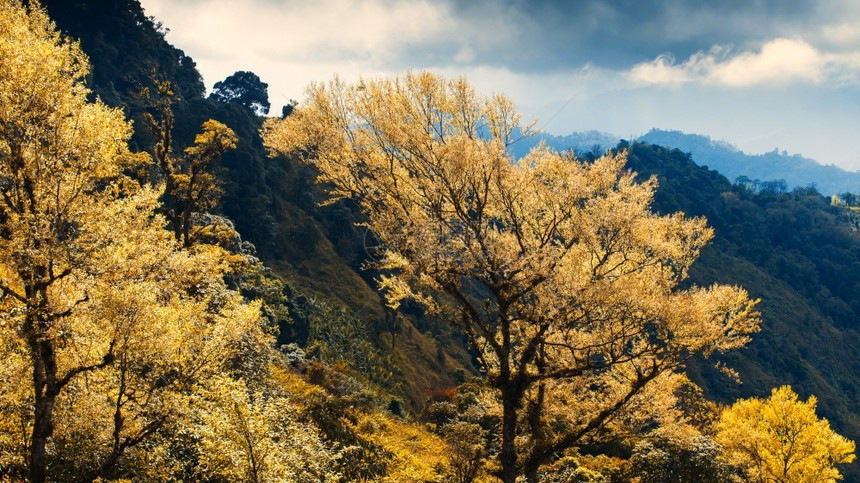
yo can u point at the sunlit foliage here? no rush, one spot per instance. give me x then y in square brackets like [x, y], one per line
[781, 439]
[562, 279]
[254, 437]
[665, 460]
[190, 189]
[107, 324]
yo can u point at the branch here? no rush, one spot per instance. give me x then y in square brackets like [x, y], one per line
[8, 291]
[10, 203]
[541, 452]
[530, 354]
[451, 289]
[68, 311]
[107, 360]
[111, 460]
[53, 278]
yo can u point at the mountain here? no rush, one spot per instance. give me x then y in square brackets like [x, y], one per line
[795, 170]
[796, 252]
[776, 170]
[792, 249]
[583, 142]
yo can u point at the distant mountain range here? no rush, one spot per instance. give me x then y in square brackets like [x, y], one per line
[580, 142]
[751, 170]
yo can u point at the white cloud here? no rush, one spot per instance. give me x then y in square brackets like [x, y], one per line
[780, 61]
[299, 30]
[842, 33]
[290, 43]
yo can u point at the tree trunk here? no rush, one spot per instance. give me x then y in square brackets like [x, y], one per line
[42, 429]
[186, 229]
[535, 418]
[535, 410]
[509, 432]
[46, 387]
[44, 384]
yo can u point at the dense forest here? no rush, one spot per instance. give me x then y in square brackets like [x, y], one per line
[797, 252]
[196, 310]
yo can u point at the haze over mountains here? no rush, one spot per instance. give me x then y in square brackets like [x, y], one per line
[753, 170]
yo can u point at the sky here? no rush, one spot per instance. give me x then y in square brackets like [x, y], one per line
[760, 74]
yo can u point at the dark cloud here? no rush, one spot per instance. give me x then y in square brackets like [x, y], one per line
[555, 34]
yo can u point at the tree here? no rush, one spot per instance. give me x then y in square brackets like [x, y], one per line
[111, 321]
[673, 459]
[246, 89]
[564, 282]
[190, 189]
[781, 439]
[773, 187]
[850, 199]
[467, 450]
[254, 437]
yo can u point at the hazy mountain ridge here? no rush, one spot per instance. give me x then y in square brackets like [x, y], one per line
[722, 156]
[796, 170]
[580, 142]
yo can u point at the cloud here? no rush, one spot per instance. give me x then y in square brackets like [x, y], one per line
[589, 64]
[779, 61]
[563, 34]
[289, 43]
[845, 33]
[302, 31]
[535, 36]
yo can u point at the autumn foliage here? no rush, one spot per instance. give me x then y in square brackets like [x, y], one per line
[781, 439]
[555, 269]
[132, 347]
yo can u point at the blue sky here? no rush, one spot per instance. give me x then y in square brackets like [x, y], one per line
[761, 74]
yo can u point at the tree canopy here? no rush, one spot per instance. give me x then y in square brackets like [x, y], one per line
[108, 326]
[190, 189]
[244, 88]
[562, 279]
[781, 439]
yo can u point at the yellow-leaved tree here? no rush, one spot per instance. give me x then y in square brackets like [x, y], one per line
[781, 439]
[563, 280]
[189, 188]
[253, 436]
[107, 326]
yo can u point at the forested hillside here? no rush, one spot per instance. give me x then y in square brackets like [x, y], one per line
[790, 247]
[797, 253]
[372, 344]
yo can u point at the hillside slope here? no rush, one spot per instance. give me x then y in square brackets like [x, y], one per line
[274, 203]
[793, 250]
[798, 255]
